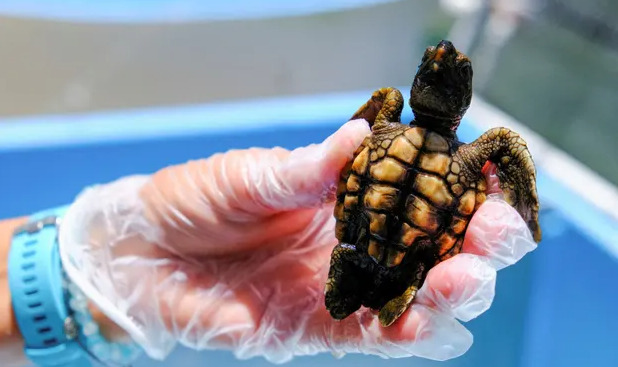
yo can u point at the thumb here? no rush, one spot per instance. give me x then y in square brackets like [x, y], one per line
[308, 176]
[240, 184]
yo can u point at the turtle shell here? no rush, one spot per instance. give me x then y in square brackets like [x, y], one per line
[403, 190]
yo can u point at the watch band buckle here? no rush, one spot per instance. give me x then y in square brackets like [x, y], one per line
[37, 225]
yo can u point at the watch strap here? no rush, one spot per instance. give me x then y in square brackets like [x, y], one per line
[38, 296]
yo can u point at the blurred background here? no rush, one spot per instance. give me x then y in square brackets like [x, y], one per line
[551, 64]
[548, 68]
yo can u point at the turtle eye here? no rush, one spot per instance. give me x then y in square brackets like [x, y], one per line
[466, 70]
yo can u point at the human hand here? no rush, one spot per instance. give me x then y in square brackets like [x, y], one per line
[232, 252]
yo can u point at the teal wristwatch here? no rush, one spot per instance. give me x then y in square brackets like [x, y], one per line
[39, 299]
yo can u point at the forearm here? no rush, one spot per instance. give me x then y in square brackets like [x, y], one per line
[11, 342]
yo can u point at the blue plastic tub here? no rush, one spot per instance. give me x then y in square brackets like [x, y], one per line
[557, 307]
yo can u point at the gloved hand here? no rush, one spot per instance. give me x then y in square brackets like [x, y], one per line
[232, 252]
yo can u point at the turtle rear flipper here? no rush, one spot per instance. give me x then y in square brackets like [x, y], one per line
[515, 170]
[394, 308]
[342, 292]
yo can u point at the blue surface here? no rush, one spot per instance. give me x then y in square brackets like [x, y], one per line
[554, 308]
[572, 314]
[171, 11]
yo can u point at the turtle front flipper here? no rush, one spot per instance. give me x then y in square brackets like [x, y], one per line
[385, 105]
[515, 170]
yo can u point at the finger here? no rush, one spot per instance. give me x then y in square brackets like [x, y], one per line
[493, 183]
[498, 233]
[209, 318]
[239, 184]
[420, 332]
[199, 205]
[462, 286]
[308, 175]
[200, 311]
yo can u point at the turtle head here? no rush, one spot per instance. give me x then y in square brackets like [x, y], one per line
[442, 88]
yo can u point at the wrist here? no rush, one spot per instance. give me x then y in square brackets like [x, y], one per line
[50, 312]
[9, 330]
[11, 340]
[109, 329]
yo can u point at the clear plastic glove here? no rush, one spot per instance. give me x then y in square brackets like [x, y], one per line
[232, 252]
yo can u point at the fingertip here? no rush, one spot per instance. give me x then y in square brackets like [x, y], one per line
[491, 176]
[462, 286]
[359, 124]
[341, 145]
[498, 233]
[335, 152]
[351, 134]
[308, 175]
[426, 333]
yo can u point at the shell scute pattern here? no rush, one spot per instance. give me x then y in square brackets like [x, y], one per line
[403, 190]
[415, 176]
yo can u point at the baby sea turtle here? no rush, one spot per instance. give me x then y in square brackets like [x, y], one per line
[404, 201]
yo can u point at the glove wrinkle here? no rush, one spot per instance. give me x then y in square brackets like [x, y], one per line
[232, 252]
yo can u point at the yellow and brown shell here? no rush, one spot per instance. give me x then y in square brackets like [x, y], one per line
[408, 185]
